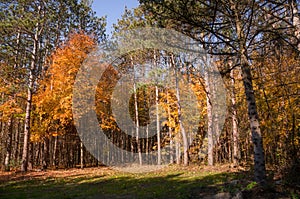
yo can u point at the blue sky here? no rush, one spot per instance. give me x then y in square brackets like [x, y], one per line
[113, 9]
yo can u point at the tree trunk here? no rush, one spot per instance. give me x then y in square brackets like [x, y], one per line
[24, 163]
[16, 144]
[235, 133]
[259, 157]
[296, 22]
[181, 127]
[27, 124]
[170, 129]
[55, 162]
[157, 112]
[45, 162]
[8, 145]
[210, 146]
[157, 127]
[81, 155]
[177, 145]
[137, 125]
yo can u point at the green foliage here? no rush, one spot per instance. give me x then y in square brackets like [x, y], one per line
[251, 185]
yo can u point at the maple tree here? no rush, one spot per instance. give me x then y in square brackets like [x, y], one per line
[53, 102]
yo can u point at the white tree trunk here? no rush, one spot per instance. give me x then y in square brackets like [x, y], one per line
[235, 133]
[137, 125]
[8, 145]
[296, 22]
[157, 127]
[259, 157]
[210, 140]
[181, 127]
[31, 79]
[81, 155]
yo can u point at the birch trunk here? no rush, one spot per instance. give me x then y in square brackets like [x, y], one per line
[8, 145]
[81, 155]
[259, 157]
[181, 127]
[137, 125]
[210, 145]
[235, 133]
[157, 127]
[296, 22]
[24, 163]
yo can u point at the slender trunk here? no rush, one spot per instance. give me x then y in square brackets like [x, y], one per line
[157, 127]
[137, 125]
[157, 113]
[235, 133]
[8, 145]
[45, 162]
[55, 152]
[81, 155]
[27, 124]
[17, 137]
[296, 22]
[170, 129]
[30, 156]
[210, 155]
[147, 139]
[181, 127]
[259, 157]
[177, 145]
[24, 163]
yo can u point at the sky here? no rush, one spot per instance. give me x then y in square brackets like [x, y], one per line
[113, 9]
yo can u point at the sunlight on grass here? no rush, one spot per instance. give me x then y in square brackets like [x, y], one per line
[171, 182]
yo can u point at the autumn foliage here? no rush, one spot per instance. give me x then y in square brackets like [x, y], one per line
[53, 101]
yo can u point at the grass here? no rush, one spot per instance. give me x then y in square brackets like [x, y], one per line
[170, 182]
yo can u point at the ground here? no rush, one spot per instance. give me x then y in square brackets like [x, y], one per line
[169, 182]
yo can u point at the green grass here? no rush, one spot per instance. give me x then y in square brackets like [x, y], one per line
[171, 182]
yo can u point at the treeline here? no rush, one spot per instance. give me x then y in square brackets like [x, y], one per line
[255, 46]
[30, 32]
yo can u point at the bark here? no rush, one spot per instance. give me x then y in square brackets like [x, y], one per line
[137, 126]
[210, 155]
[170, 130]
[55, 161]
[296, 22]
[235, 133]
[177, 145]
[147, 139]
[181, 127]
[81, 155]
[157, 128]
[157, 116]
[16, 144]
[45, 162]
[8, 146]
[30, 156]
[27, 124]
[31, 79]
[259, 157]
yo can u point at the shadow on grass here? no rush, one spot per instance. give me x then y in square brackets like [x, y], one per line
[175, 184]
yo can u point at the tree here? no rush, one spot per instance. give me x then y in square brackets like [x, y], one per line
[31, 30]
[53, 101]
[239, 26]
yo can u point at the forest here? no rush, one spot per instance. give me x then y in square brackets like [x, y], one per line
[243, 112]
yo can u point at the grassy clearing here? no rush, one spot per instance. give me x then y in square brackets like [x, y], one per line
[102, 182]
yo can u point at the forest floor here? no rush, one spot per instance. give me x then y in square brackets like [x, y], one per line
[168, 182]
